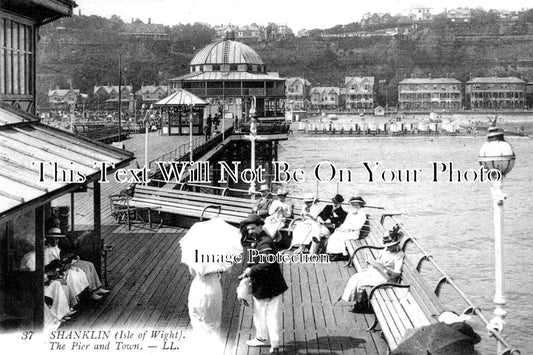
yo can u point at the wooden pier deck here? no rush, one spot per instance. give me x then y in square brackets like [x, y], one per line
[149, 290]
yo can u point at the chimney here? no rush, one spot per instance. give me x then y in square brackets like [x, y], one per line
[149, 20]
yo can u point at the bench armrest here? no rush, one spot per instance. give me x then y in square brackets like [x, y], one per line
[385, 284]
[207, 207]
[350, 260]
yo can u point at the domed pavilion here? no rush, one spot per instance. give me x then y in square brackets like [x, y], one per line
[228, 75]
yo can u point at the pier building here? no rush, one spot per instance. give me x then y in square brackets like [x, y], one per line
[231, 76]
[430, 94]
[38, 164]
[495, 93]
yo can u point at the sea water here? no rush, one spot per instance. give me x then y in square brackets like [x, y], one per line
[450, 215]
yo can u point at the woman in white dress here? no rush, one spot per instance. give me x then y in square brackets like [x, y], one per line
[349, 229]
[309, 227]
[278, 212]
[205, 310]
[386, 268]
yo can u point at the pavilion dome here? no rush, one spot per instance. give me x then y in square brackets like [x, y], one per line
[227, 52]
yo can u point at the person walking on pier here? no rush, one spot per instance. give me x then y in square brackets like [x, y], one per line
[268, 285]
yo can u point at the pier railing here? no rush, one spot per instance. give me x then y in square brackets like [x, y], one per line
[445, 279]
[199, 145]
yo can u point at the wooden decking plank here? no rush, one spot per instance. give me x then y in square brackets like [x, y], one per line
[123, 288]
[160, 291]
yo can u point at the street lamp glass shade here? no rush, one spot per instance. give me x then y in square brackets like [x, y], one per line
[497, 154]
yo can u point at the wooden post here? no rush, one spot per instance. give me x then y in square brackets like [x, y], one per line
[97, 234]
[38, 283]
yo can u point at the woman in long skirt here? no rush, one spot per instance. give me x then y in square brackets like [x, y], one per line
[308, 228]
[349, 229]
[386, 268]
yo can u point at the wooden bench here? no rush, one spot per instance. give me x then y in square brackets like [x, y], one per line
[407, 304]
[191, 204]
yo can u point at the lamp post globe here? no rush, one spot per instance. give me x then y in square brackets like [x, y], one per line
[496, 153]
[498, 157]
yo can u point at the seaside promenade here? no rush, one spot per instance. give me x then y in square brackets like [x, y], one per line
[149, 287]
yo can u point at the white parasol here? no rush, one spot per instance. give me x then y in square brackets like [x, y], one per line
[211, 246]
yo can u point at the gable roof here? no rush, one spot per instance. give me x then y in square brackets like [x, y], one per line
[358, 79]
[25, 144]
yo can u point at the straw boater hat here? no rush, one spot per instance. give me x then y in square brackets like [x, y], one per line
[390, 239]
[359, 200]
[264, 187]
[54, 233]
[338, 199]
[309, 198]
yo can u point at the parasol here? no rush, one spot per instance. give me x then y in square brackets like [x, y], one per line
[211, 246]
[439, 339]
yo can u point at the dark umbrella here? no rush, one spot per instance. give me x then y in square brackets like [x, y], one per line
[439, 339]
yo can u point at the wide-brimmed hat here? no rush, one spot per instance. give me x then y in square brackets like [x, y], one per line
[282, 192]
[390, 239]
[358, 199]
[338, 199]
[251, 219]
[54, 233]
[309, 198]
[264, 187]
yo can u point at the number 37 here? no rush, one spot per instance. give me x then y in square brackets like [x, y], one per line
[27, 335]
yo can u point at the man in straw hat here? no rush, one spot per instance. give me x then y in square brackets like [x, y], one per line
[279, 211]
[386, 268]
[268, 285]
[349, 229]
[262, 205]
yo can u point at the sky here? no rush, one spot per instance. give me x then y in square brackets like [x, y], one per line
[297, 14]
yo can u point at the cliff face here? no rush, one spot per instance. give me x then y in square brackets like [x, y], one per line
[85, 51]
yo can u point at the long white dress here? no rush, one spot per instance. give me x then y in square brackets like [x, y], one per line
[350, 229]
[205, 305]
[278, 214]
[305, 230]
[77, 281]
[372, 276]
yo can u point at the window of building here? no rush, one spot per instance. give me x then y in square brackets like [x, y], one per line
[16, 56]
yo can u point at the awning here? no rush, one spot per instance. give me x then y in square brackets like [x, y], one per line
[181, 98]
[26, 144]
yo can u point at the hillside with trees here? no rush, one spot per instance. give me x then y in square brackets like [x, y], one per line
[84, 51]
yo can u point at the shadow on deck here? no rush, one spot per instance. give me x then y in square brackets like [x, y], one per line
[149, 290]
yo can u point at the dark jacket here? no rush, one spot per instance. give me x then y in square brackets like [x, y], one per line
[267, 278]
[263, 205]
[336, 216]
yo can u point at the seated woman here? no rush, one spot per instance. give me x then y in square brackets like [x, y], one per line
[331, 217]
[80, 274]
[309, 227]
[278, 212]
[386, 268]
[349, 229]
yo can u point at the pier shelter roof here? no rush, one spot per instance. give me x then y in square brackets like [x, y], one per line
[25, 144]
[228, 76]
[227, 52]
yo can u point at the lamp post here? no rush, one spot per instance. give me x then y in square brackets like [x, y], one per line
[498, 157]
[190, 126]
[252, 137]
[147, 111]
